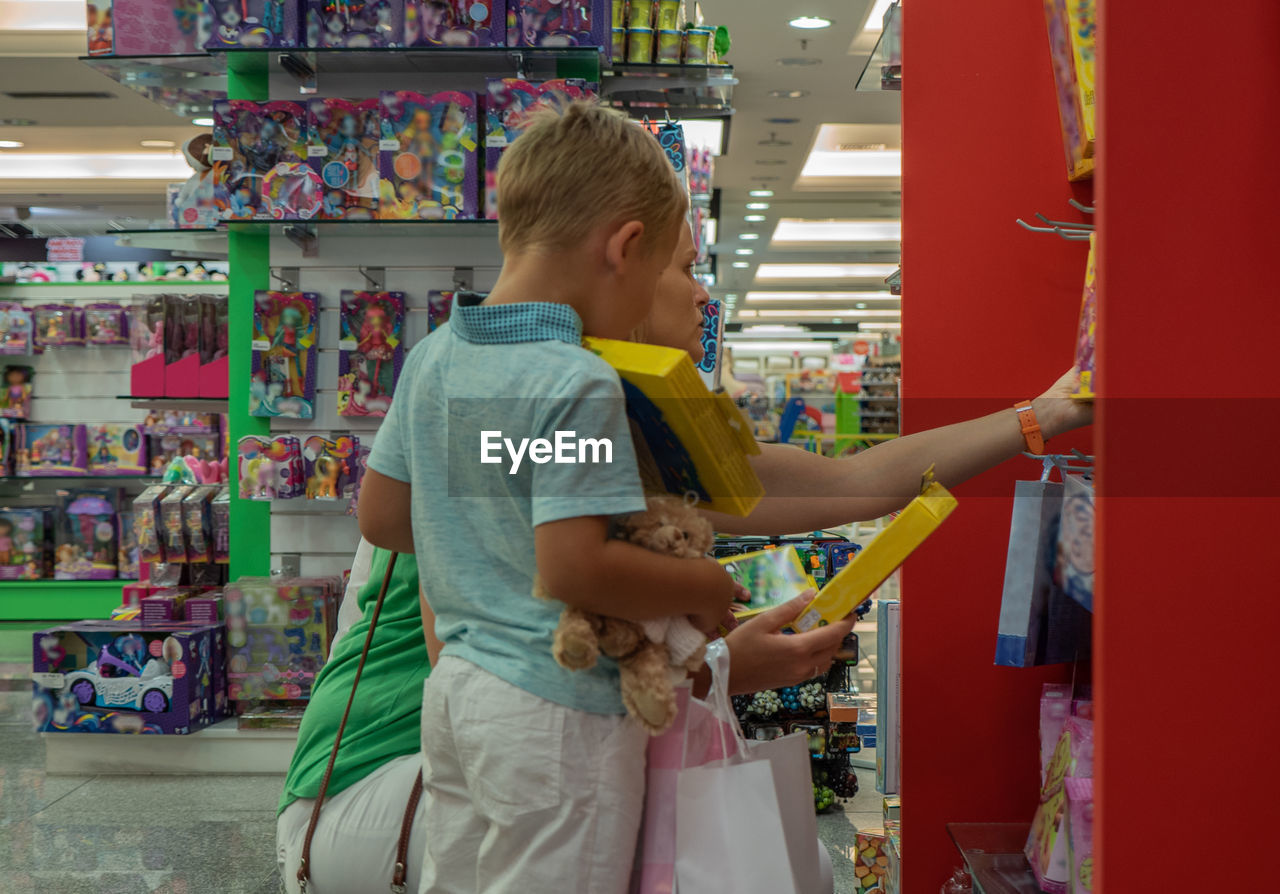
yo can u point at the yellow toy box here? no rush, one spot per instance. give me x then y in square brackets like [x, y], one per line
[869, 568]
[693, 441]
[1061, 17]
[1087, 332]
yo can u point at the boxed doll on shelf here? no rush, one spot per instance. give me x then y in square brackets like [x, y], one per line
[214, 342]
[370, 352]
[87, 546]
[455, 23]
[58, 325]
[253, 24]
[284, 354]
[105, 323]
[117, 449]
[164, 450]
[173, 531]
[15, 400]
[58, 450]
[271, 469]
[146, 523]
[428, 156]
[197, 519]
[127, 546]
[1074, 84]
[259, 156]
[1087, 331]
[508, 105]
[573, 23]
[26, 542]
[146, 347]
[329, 467]
[15, 329]
[126, 677]
[439, 306]
[343, 151]
[362, 25]
[173, 422]
[182, 345]
[278, 634]
[220, 517]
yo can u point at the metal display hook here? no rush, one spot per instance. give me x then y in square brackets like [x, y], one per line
[1071, 231]
[1087, 209]
[287, 277]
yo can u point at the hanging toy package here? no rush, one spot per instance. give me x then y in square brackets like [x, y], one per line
[284, 354]
[370, 351]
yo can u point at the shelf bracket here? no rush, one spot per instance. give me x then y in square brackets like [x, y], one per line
[376, 277]
[306, 238]
[464, 279]
[288, 277]
[518, 58]
[1087, 209]
[302, 71]
[290, 566]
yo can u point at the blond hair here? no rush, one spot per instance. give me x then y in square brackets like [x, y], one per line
[580, 167]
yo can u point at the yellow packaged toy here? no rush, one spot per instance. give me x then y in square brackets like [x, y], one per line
[1087, 332]
[869, 568]
[698, 441]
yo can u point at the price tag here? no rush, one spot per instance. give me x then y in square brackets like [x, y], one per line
[389, 145]
[314, 151]
[348, 344]
[48, 681]
[221, 153]
[261, 345]
[497, 138]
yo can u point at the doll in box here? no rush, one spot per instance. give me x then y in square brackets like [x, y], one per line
[252, 24]
[181, 327]
[547, 23]
[146, 517]
[435, 150]
[214, 322]
[370, 352]
[127, 546]
[15, 329]
[360, 25]
[100, 30]
[87, 548]
[454, 23]
[348, 168]
[15, 401]
[24, 543]
[104, 324]
[51, 450]
[118, 449]
[146, 329]
[439, 306]
[284, 353]
[328, 466]
[56, 324]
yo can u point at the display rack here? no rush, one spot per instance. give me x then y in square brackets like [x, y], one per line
[883, 71]
[58, 600]
[993, 855]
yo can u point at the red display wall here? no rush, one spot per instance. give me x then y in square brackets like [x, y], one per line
[989, 315]
[1188, 590]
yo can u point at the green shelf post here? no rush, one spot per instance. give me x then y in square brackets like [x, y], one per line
[587, 68]
[249, 262]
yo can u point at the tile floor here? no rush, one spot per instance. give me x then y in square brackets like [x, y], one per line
[198, 835]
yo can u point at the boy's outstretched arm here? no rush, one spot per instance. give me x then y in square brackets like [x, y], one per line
[383, 512]
[582, 566]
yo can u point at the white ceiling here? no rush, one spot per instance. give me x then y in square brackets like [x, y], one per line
[762, 153]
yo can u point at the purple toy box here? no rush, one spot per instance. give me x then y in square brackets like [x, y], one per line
[26, 542]
[124, 677]
[50, 450]
[568, 23]
[278, 635]
[428, 156]
[343, 152]
[117, 449]
[455, 23]
[87, 545]
[252, 24]
[356, 26]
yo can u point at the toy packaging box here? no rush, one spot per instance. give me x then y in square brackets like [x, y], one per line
[146, 347]
[770, 577]
[259, 156]
[87, 547]
[1076, 141]
[439, 306]
[173, 529]
[329, 467]
[370, 351]
[571, 23]
[50, 450]
[146, 524]
[127, 546]
[182, 345]
[15, 400]
[428, 156]
[166, 450]
[197, 519]
[507, 107]
[15, 329]
[359, 25]
[126, 677]
[284, 354]
[343, 150]
[271, 469]
[692, 441]
[1087, 331]
[147, 27]
[1080, 834]
[57, 325]
[220, 514]
[1073, 572]
[253, 24]
[26, 542]
[278, 635]
[105, 323]
[117, 449]
[455, 23]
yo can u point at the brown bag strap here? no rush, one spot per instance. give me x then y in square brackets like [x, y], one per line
[406, 829]
[304, 868]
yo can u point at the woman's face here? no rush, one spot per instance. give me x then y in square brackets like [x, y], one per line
[675, 320]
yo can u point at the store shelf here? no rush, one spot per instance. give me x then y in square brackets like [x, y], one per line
[304, 232]
[188, 85]
[993, 855]
[881, 73]
[683, 91]
[90, 478]
[59, 600]
[221, 748]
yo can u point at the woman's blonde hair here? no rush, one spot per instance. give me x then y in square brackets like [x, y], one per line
[578, 168]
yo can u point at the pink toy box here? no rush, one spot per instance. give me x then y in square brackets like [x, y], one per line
[146, 344]
[146, 27]
[15, 329]
[428, 156]
[50, 450]
[26, 542]
[182, 346]
[126, 677]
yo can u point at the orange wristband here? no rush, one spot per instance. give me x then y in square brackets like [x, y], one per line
[1030, 427]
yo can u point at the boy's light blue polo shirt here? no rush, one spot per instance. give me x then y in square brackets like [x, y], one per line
[518, 369]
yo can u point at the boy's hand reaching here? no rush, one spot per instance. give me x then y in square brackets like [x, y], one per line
[716, 595]
[763, 657]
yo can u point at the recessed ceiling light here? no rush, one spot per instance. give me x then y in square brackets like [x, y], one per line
[11, 144]
[798, 61]
[825, 271]
[788, 94]
[791, 229]
[731, 297]
[202, 122]
[824, 163]
[875, 19]
[810, 23]
[776, 314]
[159, 144]
[782, 121]
[810, 297]
[754, 218]
[744, 251]
[762, 193]
[861, 305]
[837, 319]
[740, 264]
[748, 237]
[757, 206]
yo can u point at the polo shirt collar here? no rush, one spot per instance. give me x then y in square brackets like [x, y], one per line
[524, 321]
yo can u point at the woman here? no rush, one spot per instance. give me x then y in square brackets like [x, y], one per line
[354, 847]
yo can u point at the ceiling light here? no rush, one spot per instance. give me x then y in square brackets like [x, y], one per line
[731, 296]
[749, 346]
[755, 218]
[825, 271]
[741, 264]
[202, 122]
[773, 327]
[810, 23]
[788, 94]
[42, 15]
[791, 229]
[827, 312]
[761, 193]
[757, 206]
[799, 60]
[747, 313]
[880, 327]
[11, 144]
[821, 296]
[159, 144]
[94, 166]
[875, 18]
[824, 163]
[861, 305]
[707, 133]
[782, 121]
[744, 251]
[748, 237]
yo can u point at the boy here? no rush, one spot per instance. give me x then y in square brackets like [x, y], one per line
[534, 775]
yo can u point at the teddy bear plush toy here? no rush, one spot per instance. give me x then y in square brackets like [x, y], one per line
[654, 655]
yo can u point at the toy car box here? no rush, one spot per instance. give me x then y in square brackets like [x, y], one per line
[126, 677]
